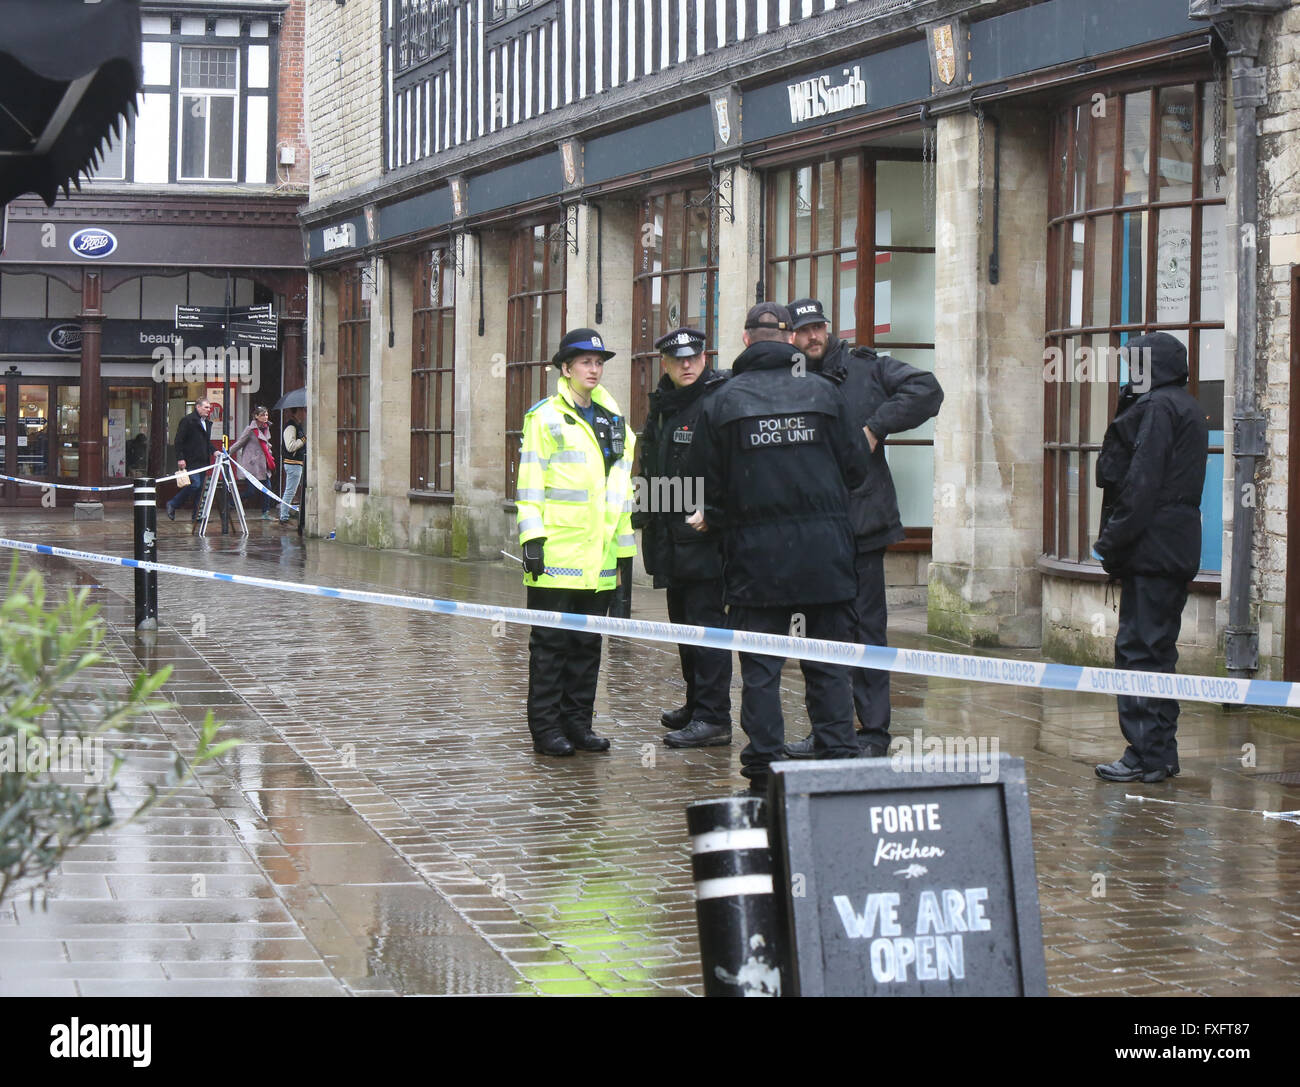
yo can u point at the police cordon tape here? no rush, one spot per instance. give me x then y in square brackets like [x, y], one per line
[79, 487]
[917, 662]
[258, 483]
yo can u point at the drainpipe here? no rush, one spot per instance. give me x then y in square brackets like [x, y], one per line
[1241, 23]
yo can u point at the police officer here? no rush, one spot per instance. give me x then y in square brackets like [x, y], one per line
[574, 501]
[1152, 471]
[779, 456]
[686, 563]
[884, 396]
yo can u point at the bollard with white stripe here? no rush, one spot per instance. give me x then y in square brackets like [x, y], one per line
[742, 937]
[146, 549]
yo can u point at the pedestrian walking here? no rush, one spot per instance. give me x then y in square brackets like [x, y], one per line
[295, 458]
[884, 396]
[193, 451]
[574, 504]
[1152, 471]
[253, 453]
[779, 455]
[686, 563]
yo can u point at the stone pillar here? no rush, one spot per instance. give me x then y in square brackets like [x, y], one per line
[610, 229]
[323, 396]
[740, 259]
[479, 524]
[90, 436]
[988, 439]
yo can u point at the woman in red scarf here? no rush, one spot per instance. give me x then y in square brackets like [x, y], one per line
[253, 453]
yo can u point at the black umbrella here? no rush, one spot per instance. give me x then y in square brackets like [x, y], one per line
[69, 72]
[294, 398]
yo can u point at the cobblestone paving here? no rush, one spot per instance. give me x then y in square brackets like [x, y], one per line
[387, 828]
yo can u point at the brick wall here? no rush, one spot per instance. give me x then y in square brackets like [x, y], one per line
[344, 95]
[291, 121]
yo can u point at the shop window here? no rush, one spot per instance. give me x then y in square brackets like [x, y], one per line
[433, 374]
[535, 319]
[354, 376]
[130, 409]
[676, 284]
[855, 233]
[68, 430]
[112, 162]
[209, 89]
[1136, 243]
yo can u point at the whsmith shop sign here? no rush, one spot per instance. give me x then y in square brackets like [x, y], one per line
[121, 339]
[907, 881]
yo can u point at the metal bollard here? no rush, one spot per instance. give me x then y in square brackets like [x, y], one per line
[742, 939]
[146, 549]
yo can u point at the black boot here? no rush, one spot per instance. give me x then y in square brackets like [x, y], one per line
[552, 743]
[700, 734]
[678, 718]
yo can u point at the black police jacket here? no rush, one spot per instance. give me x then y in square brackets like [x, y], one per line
[672, 551]
[888, 396]
[192, 443]
[1152, 471]
[779, 455]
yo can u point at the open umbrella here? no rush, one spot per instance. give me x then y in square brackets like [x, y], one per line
[294, 398]
[69, 71]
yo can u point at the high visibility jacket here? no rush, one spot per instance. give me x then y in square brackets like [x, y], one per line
[566, 497]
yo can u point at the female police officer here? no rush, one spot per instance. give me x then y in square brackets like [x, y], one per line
[575, 502]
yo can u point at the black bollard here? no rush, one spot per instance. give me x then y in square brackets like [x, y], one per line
[742, 938]
[146, 549]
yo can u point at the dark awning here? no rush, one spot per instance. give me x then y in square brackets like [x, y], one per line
[69, 71]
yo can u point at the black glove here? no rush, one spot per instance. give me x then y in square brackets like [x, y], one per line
[621, 605]
[535, 557]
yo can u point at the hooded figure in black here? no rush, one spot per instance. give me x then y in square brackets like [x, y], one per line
[1152, 471]
[685, 562]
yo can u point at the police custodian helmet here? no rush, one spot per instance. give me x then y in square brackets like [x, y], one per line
[581, 341]
[681, 343]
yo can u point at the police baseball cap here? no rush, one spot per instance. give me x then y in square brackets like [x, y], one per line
[768, 315]
[581, 341]
[681, 343]
[807, 311]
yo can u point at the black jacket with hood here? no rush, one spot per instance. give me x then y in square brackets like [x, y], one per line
[779, 455]
[672, 551]
[888, 396]
[1152, 470]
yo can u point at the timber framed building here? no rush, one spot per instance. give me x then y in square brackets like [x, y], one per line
[1001, 192]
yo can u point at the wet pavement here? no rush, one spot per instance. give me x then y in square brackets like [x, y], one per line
[385, 827]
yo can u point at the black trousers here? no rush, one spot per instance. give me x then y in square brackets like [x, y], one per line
[871, 686]
[828, 688]
[1150, 615]
[707, 671]
[563, 665]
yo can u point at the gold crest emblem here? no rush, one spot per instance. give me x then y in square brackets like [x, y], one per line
[945, 52]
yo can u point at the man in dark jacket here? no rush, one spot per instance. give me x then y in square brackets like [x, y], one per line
[779, 456]
[1152, 471]
[193, 451]
[686, 563]
[884, 396]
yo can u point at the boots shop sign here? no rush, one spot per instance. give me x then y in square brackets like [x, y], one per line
[908, 876]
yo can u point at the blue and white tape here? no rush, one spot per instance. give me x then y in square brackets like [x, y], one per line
[916, 662]
[65, 486]
[259, 485]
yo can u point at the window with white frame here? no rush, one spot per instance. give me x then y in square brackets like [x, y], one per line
[209, 89]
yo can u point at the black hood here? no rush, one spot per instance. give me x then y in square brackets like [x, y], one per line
[765, 355]
[1168, 361]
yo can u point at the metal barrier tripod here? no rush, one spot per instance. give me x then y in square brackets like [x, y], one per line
[223, 474]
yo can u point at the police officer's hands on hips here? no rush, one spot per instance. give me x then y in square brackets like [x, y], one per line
[535, 557]
[696, 521]
[872, 440]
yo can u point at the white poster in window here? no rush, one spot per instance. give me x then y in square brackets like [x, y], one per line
[1212, 231]
[1174, 265]
[117, 442]
[884, 298]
